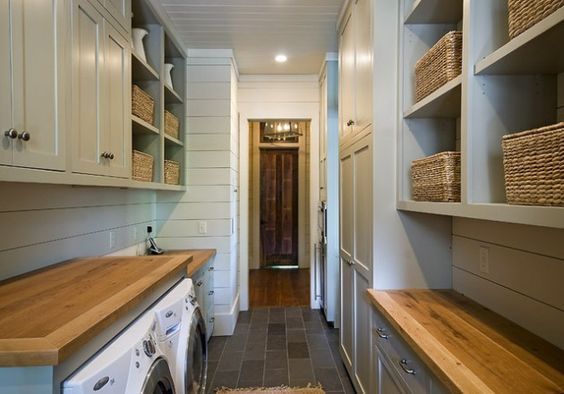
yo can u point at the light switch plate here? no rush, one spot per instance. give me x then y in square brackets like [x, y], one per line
[203, 227]
[484, 260]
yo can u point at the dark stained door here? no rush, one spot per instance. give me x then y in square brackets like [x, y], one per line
[279, 207]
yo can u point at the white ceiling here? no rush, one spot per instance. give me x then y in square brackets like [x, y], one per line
[257, 30]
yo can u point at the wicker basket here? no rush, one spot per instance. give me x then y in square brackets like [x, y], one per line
[171, 172]
[436, 178]
[533, 162]
[171, 124]
[142, 105]
[523, 14]
[442, 63]
[142, 166]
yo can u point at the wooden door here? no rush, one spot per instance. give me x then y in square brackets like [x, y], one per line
[363, 65]
[279, 206]
[38, 34]
[117, 104]
[89, 134]
[347, 80]
[6, 83]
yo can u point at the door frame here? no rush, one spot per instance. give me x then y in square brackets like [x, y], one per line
[251, 110]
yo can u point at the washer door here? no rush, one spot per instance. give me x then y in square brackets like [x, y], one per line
[159, 379]
[196, 356]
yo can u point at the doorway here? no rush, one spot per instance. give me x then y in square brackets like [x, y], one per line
[279, 221]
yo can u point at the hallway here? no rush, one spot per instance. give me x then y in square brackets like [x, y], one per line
[278, 346]
[279, 287]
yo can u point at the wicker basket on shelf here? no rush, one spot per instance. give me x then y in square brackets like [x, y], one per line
[441, 63]
[172, 125]
[533, 161]
[142, 105]
[142, 168]
[171, 172]
[436, 178]
[523, 14]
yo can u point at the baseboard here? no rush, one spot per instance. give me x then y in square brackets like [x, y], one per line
[225, 323]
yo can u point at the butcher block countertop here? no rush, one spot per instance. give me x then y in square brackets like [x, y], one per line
[468, 347]
[199, 258]
[47, 315]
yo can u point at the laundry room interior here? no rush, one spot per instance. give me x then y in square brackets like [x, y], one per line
[281, 196]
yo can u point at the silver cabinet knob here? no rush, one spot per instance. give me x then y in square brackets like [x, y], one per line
[350, 122]
[111, 156]
[24, 136]
[200, 283]
[104, 155]
[11, 133]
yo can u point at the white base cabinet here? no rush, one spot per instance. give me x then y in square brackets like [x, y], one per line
[204, 288]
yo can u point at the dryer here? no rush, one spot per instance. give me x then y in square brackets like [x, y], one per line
[182, 336]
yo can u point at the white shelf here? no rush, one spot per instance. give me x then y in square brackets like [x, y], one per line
[172, 141]
[139, 126]
[519, 214]
[539, 50]
[435, 12]
[442, 103]
[171, 96]
[141, 70]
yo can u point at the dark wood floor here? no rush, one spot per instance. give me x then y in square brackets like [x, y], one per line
[279, 287]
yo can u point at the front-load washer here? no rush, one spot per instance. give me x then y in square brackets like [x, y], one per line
[181, 333]
[133, 363]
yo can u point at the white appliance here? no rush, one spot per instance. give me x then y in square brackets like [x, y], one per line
[161, 352]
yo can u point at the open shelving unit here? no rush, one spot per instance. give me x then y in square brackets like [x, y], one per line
[160, 48]
[506, 86]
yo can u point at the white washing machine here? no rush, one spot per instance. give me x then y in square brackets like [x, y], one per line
[163, 351]
[182, 336]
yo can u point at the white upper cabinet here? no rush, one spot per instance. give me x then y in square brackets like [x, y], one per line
[32, 72]
[101, 95]
[120, 11]
[347, 78]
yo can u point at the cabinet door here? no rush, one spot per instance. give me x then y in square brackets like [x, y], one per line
[347, 309]
[38, 31]
[89, 134]
[363, 64]
[347, 80]
[385, 383]
[362, 206]
[117, 101]
[362, 369]
[121, 11]
[346, 204]
[5, 82]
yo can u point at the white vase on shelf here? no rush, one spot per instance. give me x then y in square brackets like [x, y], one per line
[168, 76]
[138, 35]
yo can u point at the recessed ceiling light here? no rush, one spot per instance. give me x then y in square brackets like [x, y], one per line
[281, 58]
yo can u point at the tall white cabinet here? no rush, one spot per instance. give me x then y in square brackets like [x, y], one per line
[32, 72]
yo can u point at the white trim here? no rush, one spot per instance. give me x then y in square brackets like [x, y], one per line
[225, 322]
[279, 78]
[331, 56]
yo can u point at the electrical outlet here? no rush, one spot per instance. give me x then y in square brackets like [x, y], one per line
[112, 239]
[484, 260]
[203, 227]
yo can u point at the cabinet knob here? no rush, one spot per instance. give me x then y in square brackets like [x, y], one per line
[382, 333]
[111, 156]
[200, 283]
[104, 155]
[11, 133]
[24, 136]
[350, 122]
[211, 292]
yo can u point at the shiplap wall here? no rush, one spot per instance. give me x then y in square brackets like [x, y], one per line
[47, 224]
[212, 178]
[526, 268]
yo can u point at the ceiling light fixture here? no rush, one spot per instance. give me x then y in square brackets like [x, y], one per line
[281, 58]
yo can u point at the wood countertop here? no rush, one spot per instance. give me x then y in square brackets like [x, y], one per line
[47, 315]
[199, 258]
[468, 347]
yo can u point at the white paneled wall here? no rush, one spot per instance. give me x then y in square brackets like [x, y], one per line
[47, 224]
[212, 178]
[523, 277]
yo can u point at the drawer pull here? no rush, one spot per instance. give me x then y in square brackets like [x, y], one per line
[406, 369]
[200, 283]
[382, 333]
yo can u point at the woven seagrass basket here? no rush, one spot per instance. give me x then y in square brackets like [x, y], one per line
[533, 162]
[172, 125]
[142, 168]
[523, 14]
[436, 178]
[441, 63]
[142, 105]
[172, 172]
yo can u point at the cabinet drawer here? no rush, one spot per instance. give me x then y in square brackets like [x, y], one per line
[401, 357]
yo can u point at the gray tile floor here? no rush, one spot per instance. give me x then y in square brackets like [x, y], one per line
[278, 346]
